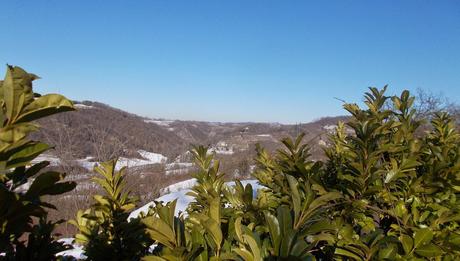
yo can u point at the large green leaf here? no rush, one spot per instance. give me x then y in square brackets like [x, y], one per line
[255, 250]
[45, 184]
[429, 250]
[244, 253]
[214, 230]
[388, 253]
[347, 253]
[43, 106]
[407, 243]
[422, 236]
[28, 152]
[274, 230]
[16, 90]
[14, 133]
[214, 209]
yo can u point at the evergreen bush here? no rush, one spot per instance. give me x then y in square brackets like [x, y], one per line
[25, 232]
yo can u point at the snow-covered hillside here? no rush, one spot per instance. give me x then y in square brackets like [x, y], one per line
[88, 162]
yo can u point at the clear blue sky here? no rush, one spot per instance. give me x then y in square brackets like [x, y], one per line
[276, 61]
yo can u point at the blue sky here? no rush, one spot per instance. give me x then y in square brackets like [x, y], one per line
[269, 61]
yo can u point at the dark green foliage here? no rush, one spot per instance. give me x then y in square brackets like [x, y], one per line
[41, 243]
[386, 192]
[23, 184]
[175, 242]
[400, 189]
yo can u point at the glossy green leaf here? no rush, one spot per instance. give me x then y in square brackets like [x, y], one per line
[44, 106]
[344, 252]
[429, 250]
[422, 236]
[407, 243]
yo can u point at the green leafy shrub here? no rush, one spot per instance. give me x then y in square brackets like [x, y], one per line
[400, 186]
[104, 229]
[25, 234]
[388, 191]
[227, 223]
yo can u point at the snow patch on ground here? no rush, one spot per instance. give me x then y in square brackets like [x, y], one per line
[164, 123]
[153, 157]
[86, 163]
[186, 184]
[221, 151]
[178, 165]
[177, 168]
[76, 252]
[182, 203]
[82, 106]
[176, 172]
[54, 161]
[264, 135]
[149, 158]
[331, 127]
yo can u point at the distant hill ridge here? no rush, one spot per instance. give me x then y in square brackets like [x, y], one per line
[102, 131]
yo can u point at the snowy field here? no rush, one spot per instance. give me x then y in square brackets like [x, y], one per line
[88, 162]
[149, 158]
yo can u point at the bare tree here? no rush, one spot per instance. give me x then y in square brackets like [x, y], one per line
[106, 146]
[427, 103]
[63, 138]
